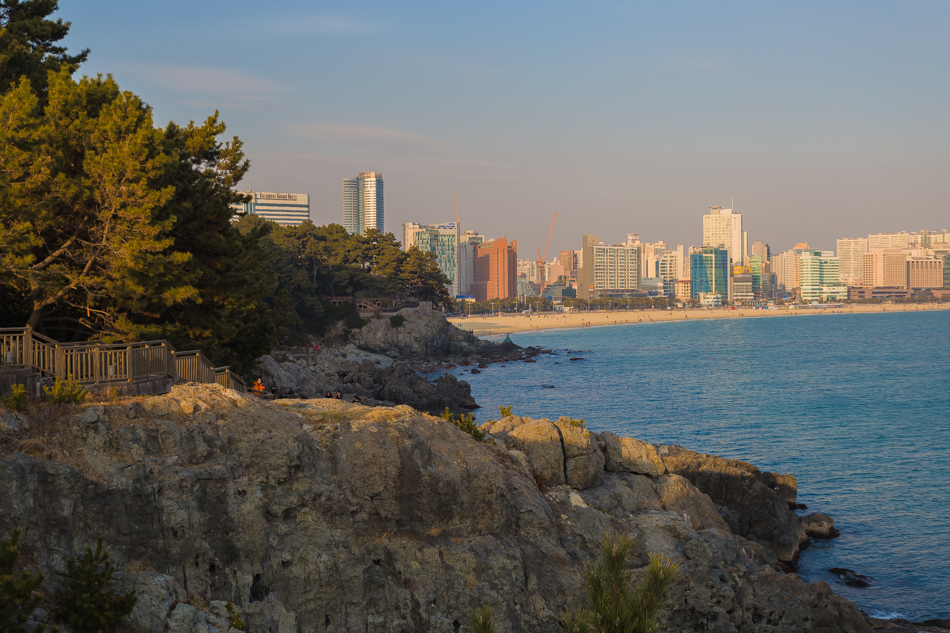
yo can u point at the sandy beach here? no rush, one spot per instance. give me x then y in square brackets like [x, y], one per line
[507, 323]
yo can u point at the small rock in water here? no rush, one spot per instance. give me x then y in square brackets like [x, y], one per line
[851, 577]
[475, 370]
[547, 386]
[577, 358]
[530, 360]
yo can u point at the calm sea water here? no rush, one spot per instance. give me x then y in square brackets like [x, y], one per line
[856, 406]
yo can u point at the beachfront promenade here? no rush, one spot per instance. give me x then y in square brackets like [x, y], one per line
[501, 324]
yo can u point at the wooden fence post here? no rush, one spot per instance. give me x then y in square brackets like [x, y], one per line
[27, 350]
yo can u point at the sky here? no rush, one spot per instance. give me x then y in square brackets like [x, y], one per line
[819, 119]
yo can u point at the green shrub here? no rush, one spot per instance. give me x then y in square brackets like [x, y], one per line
[481, 621]
[86, 605]
[65, 392]
[504, 411]
[17, 400]
[465, 423]
[18, 597]
[397, 320]
[615, 605]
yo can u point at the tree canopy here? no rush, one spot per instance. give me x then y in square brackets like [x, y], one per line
[28, 43]
[114, 229]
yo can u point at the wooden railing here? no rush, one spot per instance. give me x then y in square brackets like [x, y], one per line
[94, 363]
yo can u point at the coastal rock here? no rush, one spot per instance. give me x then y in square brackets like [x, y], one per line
[583, 459]
[818, 525]
[320, 515]
[538, 440]
[629, 455]
[755, 508]
[374, 378]
[424, 333]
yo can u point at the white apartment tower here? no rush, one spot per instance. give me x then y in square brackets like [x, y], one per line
[363, 202]
[723, 229]
[851, 252]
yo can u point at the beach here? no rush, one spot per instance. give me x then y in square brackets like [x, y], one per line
[501, 324]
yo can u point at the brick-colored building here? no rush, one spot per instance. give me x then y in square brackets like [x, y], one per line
[496, 270]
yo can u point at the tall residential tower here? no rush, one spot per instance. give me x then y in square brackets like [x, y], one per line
[363, 202]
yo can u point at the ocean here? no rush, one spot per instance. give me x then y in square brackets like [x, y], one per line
[856, 406]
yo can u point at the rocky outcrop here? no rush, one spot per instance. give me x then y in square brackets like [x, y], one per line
[320, 515]
[423, 333]
[377, 380]
[754, 503]
[630, 455]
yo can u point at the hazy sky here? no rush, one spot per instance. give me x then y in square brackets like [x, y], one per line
[822, 119]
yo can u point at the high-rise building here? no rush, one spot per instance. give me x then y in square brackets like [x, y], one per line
[761, 279]
[885, 267]
[468, 244]
[723, 229]
[924, 272]
[709, 273]
[889, 240]
[851, 252]
[496, 270]
[363, 202]
[286, 209]
[569, 261]
[762, 251]
[441, 240]
[743, 285]
[820, 277]
[608, 270]
[946, 271]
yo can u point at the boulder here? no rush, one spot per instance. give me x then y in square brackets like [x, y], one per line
[539, 441]
[818, 525]
[583, 459]
[754, 506]
[629, 455]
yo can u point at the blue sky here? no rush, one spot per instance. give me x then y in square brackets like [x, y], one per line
[822, 119]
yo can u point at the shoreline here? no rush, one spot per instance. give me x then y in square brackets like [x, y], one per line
[502, 324]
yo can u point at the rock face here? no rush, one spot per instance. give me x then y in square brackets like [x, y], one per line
[424, 333]
[320, 515]
[375, 379]
[753, 503]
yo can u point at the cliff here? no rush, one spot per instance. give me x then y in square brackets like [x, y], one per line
[320, 515]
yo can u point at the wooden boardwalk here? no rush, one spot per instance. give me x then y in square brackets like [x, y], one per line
[132, 368]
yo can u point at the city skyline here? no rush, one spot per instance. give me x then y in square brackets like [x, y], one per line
[822, 121]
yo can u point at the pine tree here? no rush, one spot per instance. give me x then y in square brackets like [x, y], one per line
[86, 605]
[18, 597]
[28, 44]
[615, 604]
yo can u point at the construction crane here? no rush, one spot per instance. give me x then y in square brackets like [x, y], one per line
[542, 260]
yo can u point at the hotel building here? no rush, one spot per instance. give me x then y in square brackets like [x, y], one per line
[286, 209]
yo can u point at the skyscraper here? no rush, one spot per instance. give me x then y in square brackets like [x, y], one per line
[496, 270]
[363, 202]
[709, 272]
[851, 252]
[723, 229]
[443, 241]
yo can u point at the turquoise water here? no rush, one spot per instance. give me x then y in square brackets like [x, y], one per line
[856, 406]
